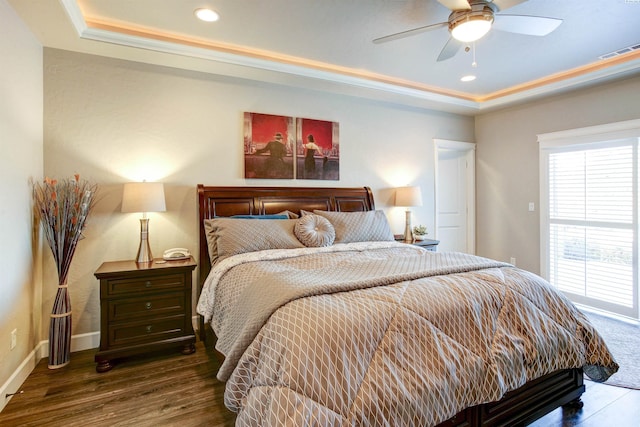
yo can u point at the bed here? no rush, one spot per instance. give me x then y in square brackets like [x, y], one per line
[368, 331]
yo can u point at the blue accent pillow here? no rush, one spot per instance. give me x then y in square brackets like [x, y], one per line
[269, 216]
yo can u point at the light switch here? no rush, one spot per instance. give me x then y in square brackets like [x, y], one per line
[532, 207]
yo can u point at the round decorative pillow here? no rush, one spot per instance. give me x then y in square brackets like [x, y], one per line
[314, 231]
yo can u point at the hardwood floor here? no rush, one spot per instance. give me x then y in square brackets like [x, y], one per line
[162, 390]
[173, 389]
[604, 406]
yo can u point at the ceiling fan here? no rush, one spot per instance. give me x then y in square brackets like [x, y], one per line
[472, 19]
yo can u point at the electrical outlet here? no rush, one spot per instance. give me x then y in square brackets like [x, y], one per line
[512, 261]
[14, 338]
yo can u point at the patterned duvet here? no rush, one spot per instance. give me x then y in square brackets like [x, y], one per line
[385, 334]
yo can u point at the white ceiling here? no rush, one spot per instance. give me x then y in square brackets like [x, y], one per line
[328, 45]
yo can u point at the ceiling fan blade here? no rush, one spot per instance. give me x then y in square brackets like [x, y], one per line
[455, 4]
[529, 25]
[506, 4]
[408, 33]
[450, 49]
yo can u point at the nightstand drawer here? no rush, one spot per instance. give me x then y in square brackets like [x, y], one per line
[117, 287]
[142, 332]
[148, 306]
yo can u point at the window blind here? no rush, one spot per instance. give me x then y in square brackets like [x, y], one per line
[592, 223]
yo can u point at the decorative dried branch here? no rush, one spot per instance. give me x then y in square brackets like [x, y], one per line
[63, 207]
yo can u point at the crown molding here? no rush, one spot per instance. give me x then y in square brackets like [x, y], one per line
[310, 74]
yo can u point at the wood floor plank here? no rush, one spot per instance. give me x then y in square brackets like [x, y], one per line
[615, 415]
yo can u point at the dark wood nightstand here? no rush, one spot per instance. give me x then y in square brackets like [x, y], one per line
[428, 244]
[144, 308]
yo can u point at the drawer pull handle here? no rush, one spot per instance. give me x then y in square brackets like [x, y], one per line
[149, 329]
[148, 305]
[148, 284]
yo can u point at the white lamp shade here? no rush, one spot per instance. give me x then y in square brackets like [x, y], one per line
[143, 197]
[409, 196]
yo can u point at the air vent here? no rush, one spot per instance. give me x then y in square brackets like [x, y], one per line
[620, 52]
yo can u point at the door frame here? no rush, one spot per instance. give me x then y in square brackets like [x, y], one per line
[469, 148]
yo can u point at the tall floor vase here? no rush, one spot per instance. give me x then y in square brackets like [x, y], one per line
[60, 329]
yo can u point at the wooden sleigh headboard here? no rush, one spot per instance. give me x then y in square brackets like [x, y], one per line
[229, 201]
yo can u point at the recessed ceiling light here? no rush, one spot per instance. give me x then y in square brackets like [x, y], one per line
[207, 15]
[468, 78]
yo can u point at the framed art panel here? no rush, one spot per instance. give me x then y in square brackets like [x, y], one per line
[268, 146]
[317, 150]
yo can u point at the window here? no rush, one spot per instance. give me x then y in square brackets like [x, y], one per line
[589, 215]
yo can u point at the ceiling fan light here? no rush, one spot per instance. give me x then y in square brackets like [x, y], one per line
[471, 30]
[206, 15]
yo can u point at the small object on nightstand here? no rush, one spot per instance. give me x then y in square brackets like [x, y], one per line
[419, 232]
[144, 308]
[175, 254]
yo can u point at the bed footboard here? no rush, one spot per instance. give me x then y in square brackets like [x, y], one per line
[526, 404]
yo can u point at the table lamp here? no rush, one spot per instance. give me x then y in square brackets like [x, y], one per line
[407, 197]
[143, 197]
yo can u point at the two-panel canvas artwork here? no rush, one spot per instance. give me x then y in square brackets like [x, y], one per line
[281, 147]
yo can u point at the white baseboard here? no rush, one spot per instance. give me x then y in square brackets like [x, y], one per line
[15, 381]
[13, 384]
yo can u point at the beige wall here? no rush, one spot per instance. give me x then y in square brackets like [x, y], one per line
[507, 163]
[20, 161]
[115, 121]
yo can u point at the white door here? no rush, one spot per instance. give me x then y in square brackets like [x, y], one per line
[455, 196]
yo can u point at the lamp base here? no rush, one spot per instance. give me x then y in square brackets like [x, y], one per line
[408, 234]
[144, 250]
